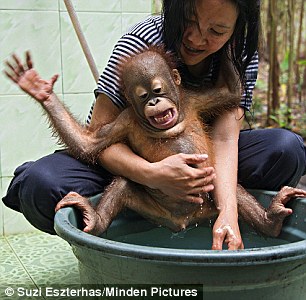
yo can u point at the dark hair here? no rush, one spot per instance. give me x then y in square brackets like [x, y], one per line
[243, 43]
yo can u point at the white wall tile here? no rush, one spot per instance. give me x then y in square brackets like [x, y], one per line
[25, 133]
[79, 105]
[94, 5]
[136, 6]
[29, 4]
[101, 31]
[25, 30]
[44, 28]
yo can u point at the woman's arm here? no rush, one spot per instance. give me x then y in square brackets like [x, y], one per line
[173, 176]
[225, 138]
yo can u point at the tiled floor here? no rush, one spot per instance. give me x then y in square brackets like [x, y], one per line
[35, 260]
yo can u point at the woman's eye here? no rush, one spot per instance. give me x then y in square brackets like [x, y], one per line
[216, 32]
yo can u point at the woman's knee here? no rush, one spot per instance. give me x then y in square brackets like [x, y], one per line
[38, 186]
[288, 151]
[49, 179]
[271, 158]
[39, 182]
[38, 198]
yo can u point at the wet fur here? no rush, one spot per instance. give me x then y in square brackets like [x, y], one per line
[189, 136]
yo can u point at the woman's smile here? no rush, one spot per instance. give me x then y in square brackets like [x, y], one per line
[207, 32]
[193, 51]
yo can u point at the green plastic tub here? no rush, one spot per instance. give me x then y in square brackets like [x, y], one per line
[133, 251]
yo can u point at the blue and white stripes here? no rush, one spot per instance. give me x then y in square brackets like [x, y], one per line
[140, 36]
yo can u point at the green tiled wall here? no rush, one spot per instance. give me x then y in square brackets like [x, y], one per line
[44, 28]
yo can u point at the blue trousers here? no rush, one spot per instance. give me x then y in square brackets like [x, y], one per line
[268, 159]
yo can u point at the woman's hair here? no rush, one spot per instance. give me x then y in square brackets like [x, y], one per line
[243, 43]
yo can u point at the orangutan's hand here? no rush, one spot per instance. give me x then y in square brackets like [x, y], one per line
[28, 79]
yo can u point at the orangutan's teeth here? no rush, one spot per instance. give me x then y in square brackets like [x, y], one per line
[164, 118]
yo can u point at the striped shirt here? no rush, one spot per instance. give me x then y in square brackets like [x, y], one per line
[140, 36]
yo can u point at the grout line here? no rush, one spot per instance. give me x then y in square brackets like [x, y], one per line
[21, 263]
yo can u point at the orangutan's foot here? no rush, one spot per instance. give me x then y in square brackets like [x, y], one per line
[277, 212]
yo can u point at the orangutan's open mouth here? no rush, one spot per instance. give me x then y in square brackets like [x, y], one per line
[165, 119]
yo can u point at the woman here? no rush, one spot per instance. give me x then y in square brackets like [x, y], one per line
[198, 32]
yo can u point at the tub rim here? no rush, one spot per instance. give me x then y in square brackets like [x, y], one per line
[251, 256]
[264, 255]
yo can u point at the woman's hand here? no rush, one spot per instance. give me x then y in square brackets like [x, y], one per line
[175, 177]
[28, 79]
[226, 230]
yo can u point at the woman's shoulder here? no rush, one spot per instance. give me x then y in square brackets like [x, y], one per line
[151, 22]
[150, 30]
[142, 35]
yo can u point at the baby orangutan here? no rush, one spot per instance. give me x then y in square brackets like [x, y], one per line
[163, 119]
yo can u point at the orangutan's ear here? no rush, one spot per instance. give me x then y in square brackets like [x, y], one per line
[176, 76]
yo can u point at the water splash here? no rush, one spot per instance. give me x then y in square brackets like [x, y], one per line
[182, 234]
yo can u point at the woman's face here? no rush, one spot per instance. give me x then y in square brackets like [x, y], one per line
[210, 31]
